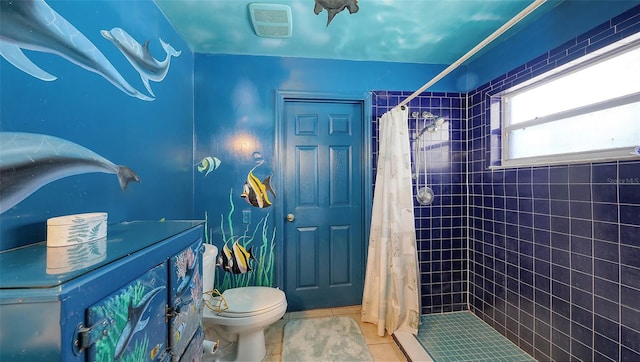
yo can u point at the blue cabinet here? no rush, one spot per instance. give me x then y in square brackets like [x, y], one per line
[135, 296]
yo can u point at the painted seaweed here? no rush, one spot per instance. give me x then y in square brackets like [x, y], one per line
[260, 238]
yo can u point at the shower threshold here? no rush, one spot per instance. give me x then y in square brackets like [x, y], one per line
[411, 348]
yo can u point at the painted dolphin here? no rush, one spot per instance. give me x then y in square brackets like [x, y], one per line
[140, 57]
[335, 6]
[134, 322]
[14, 55]
[33, 25]
[29, 161]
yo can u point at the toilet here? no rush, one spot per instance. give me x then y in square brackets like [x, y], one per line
[237, 333]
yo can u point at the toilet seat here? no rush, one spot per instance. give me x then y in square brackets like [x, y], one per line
[251, 301]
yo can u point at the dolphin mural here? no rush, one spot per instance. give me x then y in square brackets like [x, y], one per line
[29, 161]
[33, 25]
[135, 323]
[140, 57]
[16, 57]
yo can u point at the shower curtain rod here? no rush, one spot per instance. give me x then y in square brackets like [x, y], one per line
[528, 10]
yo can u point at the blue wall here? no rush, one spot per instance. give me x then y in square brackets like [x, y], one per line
[154, 138]
[565, 22]
[235, 110]
[555, 250]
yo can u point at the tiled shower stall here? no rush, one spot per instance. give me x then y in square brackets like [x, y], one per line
[549, 256]
[441, 230]
[554, 251]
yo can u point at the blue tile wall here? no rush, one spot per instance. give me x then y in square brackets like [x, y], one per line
[554, 251]
[441, 226]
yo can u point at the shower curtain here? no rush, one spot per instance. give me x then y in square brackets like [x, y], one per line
[391, 289]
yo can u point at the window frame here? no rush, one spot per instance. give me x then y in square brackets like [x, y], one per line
[502, 112]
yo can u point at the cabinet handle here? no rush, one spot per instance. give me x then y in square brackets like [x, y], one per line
[87, 336]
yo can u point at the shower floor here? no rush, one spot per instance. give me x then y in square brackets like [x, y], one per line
[461, 336]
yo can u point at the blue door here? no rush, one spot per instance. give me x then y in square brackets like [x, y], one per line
[323, 203]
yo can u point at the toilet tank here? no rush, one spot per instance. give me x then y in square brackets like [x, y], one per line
[209, 266]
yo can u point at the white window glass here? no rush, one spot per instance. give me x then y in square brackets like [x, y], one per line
[608, 79]
[588, 111]
[608, 129]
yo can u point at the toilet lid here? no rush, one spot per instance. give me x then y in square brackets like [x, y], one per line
[251, 300]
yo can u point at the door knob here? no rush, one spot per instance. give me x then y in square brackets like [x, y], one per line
[290, 217]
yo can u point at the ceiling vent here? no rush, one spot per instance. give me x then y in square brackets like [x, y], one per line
[271, 20]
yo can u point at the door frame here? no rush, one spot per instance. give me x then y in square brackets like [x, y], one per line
[283, 96]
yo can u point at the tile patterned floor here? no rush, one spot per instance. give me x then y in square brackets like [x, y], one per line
[461, 336]
[382, 348]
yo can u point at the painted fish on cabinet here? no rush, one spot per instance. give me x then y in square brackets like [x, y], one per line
[188, 275]
[137, 315]
[29, 161]
[185, 298]
[34, 25]
[135, 322]
[140, 57]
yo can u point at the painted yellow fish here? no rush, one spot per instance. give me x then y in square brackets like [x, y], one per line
[255, 191]
[236, 259]
[241, 258]
[155, 351]
[225, 260]
[179, 331]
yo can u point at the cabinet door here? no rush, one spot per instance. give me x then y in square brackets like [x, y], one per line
[193, 352]
[185, 297]
[136, 314]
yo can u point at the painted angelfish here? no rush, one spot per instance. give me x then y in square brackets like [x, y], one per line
[225, 260]
[208, 164]
[255, 191]
[335, 6]
[235, 260]
[241, 258]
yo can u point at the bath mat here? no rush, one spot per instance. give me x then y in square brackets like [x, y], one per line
[324, 339]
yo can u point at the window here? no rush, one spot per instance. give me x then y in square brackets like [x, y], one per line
[584, 111]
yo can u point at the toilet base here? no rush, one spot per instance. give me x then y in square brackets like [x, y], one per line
[251, 347]
[247, 347]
